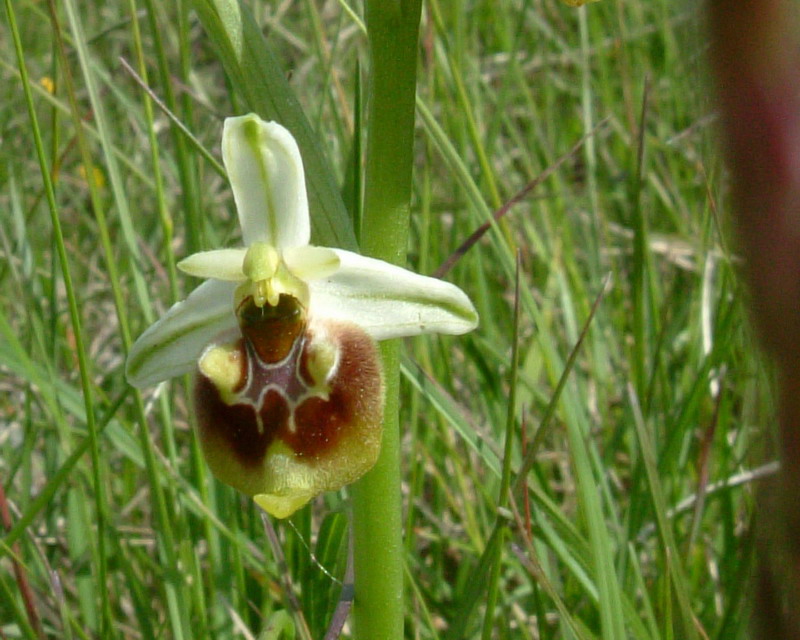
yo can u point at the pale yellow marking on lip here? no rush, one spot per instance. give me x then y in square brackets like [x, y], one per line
[323, 356]
[222, 364]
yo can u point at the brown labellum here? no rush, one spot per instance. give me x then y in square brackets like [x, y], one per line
[292, 408]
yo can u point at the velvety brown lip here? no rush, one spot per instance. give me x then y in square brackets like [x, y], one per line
[320, 422]
[236, 425]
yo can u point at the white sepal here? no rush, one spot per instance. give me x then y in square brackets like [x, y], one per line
[389, 301]
[266, 174]
[172, 346]
[220, 264]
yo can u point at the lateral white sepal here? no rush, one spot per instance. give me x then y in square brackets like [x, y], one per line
[389, 301]
[172, 346]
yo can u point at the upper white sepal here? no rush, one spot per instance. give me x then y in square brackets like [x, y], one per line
[268, 182]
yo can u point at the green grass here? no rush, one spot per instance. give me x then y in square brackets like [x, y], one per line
[641, 421]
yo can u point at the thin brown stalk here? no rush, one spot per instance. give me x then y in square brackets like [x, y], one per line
[21, 577]
[515, 199]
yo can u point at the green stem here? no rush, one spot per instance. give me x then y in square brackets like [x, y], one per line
[392, 27]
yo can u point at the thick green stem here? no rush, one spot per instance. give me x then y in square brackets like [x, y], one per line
[393, 34]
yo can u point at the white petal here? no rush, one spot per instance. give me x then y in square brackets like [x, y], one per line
[220, 264]
[268, 182]
[173, 345]
[311, 263]
[389, 301]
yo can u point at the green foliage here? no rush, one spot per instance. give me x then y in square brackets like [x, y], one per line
[634, 519]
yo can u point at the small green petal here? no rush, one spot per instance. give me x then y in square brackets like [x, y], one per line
[220, 264]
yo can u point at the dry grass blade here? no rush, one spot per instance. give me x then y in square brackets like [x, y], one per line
[293, 604]
[518, 197]
[20, 575]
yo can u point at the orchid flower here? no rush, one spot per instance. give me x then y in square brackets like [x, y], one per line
[288, 388]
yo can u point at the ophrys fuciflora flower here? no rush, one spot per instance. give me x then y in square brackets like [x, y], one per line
[288, 388]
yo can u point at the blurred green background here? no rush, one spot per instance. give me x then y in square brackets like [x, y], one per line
[646, 422]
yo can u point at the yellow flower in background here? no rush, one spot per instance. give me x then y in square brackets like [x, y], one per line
[97, 176]
[577, 3]
[288, 389]
[48, 84]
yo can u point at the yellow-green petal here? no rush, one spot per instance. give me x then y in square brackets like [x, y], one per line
[220, 264]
